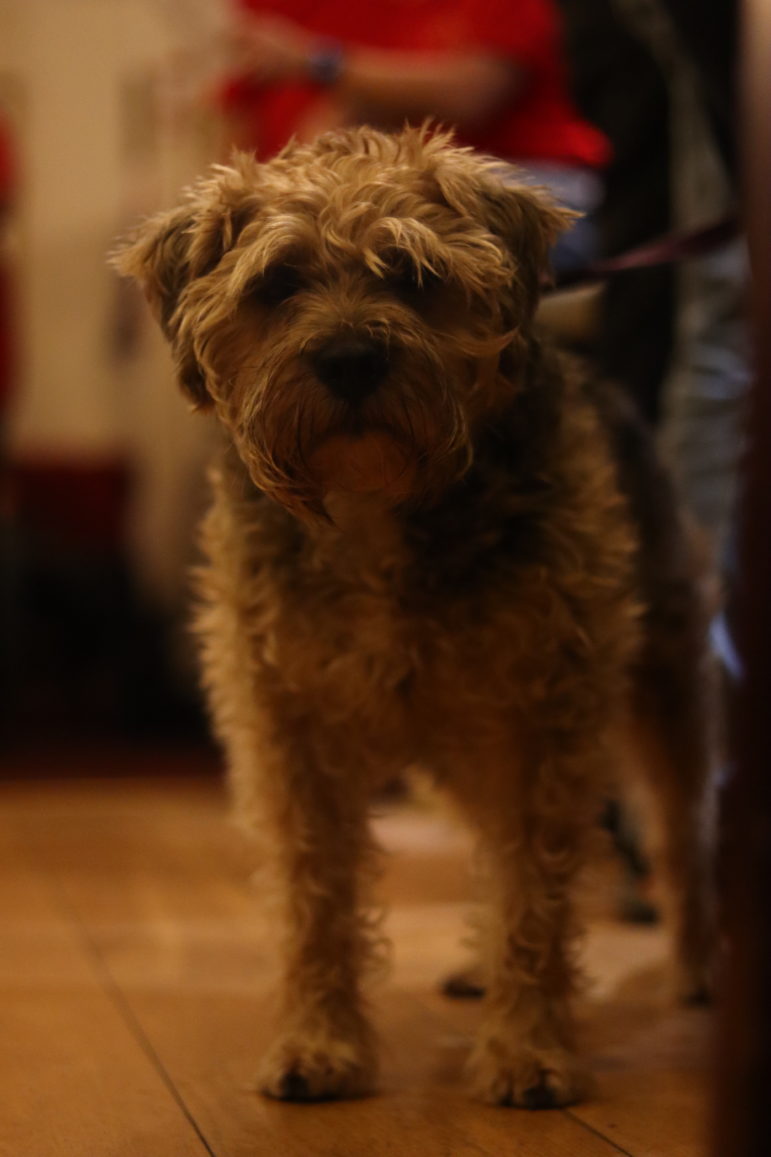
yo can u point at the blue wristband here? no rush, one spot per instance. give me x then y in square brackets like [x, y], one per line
[325, 64]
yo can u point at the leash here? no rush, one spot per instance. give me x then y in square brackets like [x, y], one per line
[677, 246]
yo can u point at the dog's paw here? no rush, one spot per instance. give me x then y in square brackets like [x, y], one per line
[310, 1068]
[465, 984]
[526, 1077]
[695, 970]
[694, 985]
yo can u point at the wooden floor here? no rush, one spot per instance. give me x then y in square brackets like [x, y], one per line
[136, 994]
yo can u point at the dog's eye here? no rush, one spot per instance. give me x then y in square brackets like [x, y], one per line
[408, 279]
[276, 285]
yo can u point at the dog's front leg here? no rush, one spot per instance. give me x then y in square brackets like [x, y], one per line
[533, 826]
[325, 1047]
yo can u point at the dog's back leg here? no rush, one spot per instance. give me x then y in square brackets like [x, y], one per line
[675, 704]
[675, 731]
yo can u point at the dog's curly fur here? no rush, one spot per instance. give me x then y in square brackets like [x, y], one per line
[430, 543]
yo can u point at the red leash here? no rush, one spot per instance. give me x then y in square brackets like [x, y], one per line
[673, 247]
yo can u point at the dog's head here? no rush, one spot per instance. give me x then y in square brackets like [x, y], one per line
[353, 309]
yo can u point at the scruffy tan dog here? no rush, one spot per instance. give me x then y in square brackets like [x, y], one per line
[428, 545]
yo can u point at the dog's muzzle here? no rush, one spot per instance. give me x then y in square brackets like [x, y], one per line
[351, 368]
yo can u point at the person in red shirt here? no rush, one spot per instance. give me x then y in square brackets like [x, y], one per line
[493, 69]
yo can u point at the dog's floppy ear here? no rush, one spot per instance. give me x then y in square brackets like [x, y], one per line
[528, 223]
[172, 250]
[521, 216]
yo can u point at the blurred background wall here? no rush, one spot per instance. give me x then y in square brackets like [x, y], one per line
[102, 465]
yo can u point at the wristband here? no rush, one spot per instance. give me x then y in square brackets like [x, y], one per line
[325, 64]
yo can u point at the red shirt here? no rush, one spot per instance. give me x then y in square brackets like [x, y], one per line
[539, 123]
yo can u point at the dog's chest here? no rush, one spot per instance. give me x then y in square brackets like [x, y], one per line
[340, 632]
[364, 636]
[399, 642]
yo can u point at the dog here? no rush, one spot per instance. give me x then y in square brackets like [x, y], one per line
[433, 541]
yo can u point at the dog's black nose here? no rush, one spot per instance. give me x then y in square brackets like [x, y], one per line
[351, 368]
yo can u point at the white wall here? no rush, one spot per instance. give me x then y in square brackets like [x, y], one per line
[72, 60]
[69, 64]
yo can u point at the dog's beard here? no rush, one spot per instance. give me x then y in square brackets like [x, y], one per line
[403, 445]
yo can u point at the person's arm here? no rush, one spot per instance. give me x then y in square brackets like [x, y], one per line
[461, 88]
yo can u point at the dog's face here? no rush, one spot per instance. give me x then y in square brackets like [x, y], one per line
[352, 309]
